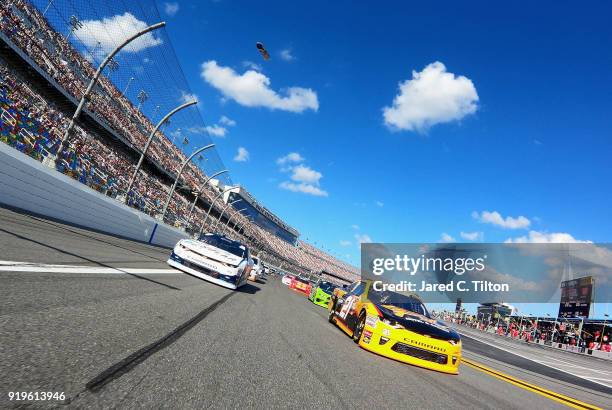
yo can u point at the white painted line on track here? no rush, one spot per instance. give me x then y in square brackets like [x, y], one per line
[564, 364]
[556, 367]
[599, 378]
[9, 266]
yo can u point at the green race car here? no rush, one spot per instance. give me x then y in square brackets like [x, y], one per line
[321, 293]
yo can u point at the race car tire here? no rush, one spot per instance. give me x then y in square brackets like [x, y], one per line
[359, 328]
[330, 318]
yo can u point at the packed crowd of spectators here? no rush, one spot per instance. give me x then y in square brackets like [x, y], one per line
[34, 125]
[23, 24]
[575, 333]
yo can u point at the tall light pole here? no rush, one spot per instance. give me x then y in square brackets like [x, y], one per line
[155, 112]
[142, 98]
[197, 195]
[603, 331]
[223, 211]
[95, 50]
[236, 224]
[149, 140]
[93, 82]
[125, 90]
[183, 165]
[552, 337]
[230, 218]
[212, 203]
[47, 8]
[75, 24]
[244, 227]
[174, 134]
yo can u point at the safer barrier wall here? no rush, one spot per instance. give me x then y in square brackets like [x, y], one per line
[29, 185]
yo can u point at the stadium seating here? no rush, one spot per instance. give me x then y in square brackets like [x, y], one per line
[33, 125]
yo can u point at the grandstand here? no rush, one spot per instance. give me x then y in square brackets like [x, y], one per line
[46, 60]
[261, 215]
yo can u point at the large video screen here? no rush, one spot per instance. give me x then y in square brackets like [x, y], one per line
[576, 297]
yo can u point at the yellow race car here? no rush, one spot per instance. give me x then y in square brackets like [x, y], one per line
[395, 325]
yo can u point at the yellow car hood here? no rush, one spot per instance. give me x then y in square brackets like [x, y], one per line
[418, 323]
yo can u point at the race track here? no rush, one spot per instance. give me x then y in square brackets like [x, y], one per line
[122, 329]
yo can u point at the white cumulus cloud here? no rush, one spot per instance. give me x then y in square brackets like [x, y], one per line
[252, 89]
[216, 130]
[362, 238]
[291, 157]
[345, 243]
[227, 121]
[304, 188]
[302, 173]
[471, 236]
[286, 55]
[242, 155]
[112, 31]
[545, 237]
[446, 238]
[431, 97]
[171, 8]
[252, 65]
[187, 97]
[305, 179]
[495, 218]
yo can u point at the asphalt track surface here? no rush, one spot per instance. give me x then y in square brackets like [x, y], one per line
[167, 340]
[589, 370]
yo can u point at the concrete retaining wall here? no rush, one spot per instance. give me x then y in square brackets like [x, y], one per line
[29, 185]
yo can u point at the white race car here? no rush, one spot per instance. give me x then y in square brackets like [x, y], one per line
[255, 271]
[214, 258]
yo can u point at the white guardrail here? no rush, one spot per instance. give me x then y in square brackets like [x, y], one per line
[29, 185]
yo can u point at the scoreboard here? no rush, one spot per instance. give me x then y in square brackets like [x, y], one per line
[576, 297]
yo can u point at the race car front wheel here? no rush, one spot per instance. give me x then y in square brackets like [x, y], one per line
[359, 328]
[330, 318]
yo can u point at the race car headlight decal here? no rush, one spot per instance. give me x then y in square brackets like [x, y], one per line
[392, 323]
[383, 340]
[454, 359]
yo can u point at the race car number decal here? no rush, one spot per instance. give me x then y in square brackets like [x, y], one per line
[347, 306]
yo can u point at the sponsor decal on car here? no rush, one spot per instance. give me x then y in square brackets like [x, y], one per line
[367, 336]
[371, 321]
[347, 306]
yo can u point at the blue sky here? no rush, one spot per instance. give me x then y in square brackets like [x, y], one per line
[537, 144]
[529, 160]
[397, 122]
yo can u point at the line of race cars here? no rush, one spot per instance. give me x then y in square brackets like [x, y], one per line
[391, 324]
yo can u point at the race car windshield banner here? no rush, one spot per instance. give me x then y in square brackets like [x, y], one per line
[477, 273]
